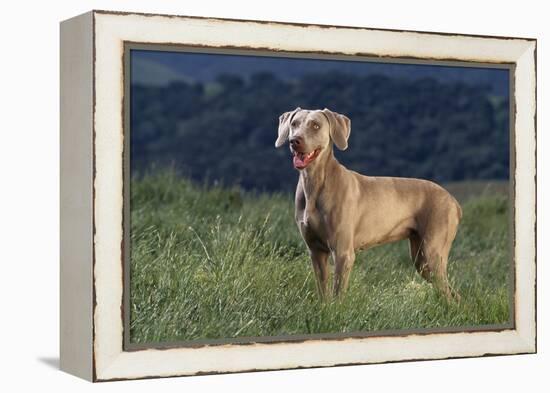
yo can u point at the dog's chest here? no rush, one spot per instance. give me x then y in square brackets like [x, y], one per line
[310, 222]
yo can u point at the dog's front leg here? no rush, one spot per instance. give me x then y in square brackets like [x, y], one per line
[343, 262]
[319, 260]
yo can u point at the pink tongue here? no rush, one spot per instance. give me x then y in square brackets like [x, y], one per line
[298, 163]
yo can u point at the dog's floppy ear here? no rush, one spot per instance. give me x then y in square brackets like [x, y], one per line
[284, 126]
[340, 128]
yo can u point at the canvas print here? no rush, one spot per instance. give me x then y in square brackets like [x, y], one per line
[279, 197]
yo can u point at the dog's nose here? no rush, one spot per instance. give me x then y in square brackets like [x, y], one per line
[296, 141]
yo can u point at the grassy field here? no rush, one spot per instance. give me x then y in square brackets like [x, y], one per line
[213, 262]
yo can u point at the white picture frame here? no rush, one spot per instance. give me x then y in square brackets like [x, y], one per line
[92, 194]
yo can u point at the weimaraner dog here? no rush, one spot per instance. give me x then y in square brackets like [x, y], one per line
[339, 211]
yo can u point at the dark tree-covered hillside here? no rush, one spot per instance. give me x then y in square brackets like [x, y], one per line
[224, 131]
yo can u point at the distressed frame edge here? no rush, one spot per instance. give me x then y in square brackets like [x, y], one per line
[525, 225]
[523, 346]
[76, 196]
[528, 340]
[305, 24]
[307, 367]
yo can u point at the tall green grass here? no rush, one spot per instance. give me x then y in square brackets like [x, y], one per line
[212, 262]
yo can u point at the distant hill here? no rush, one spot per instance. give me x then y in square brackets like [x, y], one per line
[207, 67]
[224, 131]
[153, 73]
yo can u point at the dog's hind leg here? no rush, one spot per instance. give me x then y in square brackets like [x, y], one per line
[432, 263]
[435, 270]
[430, 247]
[415, 249]
[427, 261]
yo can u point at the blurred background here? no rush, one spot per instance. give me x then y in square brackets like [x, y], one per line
[213, 117]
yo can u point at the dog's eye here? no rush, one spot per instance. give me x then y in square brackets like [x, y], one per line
[294, 124]
[316, 126]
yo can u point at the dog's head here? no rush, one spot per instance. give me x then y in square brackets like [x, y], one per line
[311, 133]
